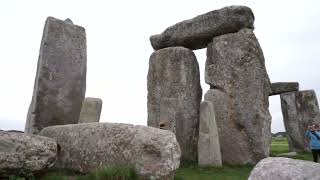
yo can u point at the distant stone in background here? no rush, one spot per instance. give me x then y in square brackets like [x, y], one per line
[22, 154]
[299, 110]
[153, 152]
[240, 86]
[174, 96]
[60, 83]
[283, 134]
[91, 110]
[209, 154]
[198, 32]
[289, 154]
[283, 87]
[280, 168]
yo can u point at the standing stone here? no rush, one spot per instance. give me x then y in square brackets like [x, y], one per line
[152, 152]
[240, 87]
[91, 110]
[174, 96]
[24, 155]
[209, 154]
[280, 168]
[198, 32]
[299, 110]
[283, 87]
[60, 82]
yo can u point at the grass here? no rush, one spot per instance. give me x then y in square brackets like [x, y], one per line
[194, 172]
[188, 171]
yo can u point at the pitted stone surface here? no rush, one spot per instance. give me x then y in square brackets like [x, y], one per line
[198, 32]
[23, 155]
[91, 110]
[174, 96]
[280, 168]
[60, 82]
[299, 110]
[236, 72]
[153, 152]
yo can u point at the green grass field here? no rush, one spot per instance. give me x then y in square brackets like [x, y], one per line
[186, 172]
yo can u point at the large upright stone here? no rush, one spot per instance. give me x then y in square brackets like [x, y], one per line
[283, 87]
[198, 32]
[60, 83]
[299, 110]
[209, 154]
[24, 155]
[91, 110]
[153, 153]
[240, 87]
[174, 96]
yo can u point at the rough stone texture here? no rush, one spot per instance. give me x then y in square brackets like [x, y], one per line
[240, 87]
[280, 168]
[60, 82]
[91, 110]
[283, 87]
[153, 152]
[209, 154]
[174, 96]
[22, 154]
[198, 32]
[299, 110]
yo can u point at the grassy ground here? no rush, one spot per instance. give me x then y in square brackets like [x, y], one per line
[186, 172]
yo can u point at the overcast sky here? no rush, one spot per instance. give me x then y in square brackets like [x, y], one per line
[118, 48]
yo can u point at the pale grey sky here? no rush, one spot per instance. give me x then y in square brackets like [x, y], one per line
[118, 48]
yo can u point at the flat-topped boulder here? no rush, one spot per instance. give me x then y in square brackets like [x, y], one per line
[91, 110]
[174, 96]
[25, 155]
[198, 32]
[154, 153]
[300, 109]
[60, 82]
[280, 168]
[283, 87]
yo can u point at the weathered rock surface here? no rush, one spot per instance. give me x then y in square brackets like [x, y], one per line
[91, 110]
[153, 152]
[60, 82]
[280, 168]
[240, 87]
[174, 96]
[209, 154]
[283, 87]
[23, 155]
[198, 32]
[299, 110]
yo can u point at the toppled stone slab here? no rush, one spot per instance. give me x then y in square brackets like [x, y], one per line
[154, 153]
[300, 109]
[198, 32]
[235, 70]
[60, 83]
[280, 168]
[209, 154]
[174, 96]
[25, 155]
[283, 87]
[289, 154]
[91, 110]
